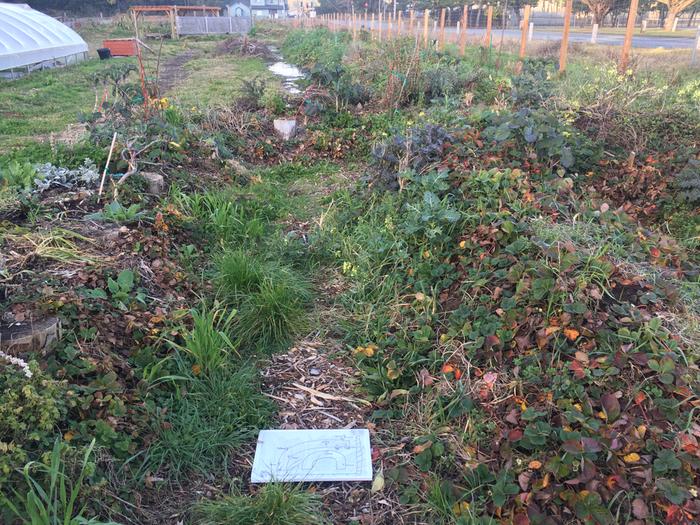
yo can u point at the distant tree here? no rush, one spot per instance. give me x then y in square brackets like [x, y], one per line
[599, 9]
[675, 8]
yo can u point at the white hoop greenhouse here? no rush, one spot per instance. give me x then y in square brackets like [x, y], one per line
[31, 40]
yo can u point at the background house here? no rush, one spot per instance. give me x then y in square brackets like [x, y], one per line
[303, 7]
[259, 8]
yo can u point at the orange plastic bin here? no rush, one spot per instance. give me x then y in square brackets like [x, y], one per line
[121, 47]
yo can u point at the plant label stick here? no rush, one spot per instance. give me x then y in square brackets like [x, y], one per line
[109, 158]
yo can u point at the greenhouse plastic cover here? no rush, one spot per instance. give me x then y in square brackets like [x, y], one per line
[29, 37]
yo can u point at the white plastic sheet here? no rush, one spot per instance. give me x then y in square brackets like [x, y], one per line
[312, 455]
[28, 37]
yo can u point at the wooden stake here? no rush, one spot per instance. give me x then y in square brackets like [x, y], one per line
[380, 26]
[399, 28]
[441, 45]
[489, 23]
[563, 53]
[631, 18]
[354, 27]
[463, 31]
[426, 20]
[523, 33]
[104, 173]
[371, 30]
[412, 23]
[365, 21]
[389, 25]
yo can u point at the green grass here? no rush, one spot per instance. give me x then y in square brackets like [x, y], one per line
[206, 421]
[274, 504]
[45, 102]
[216, 81]
[679, 33]
[208, 343]
[271, 299]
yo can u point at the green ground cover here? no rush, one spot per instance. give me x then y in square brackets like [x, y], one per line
[493, 268]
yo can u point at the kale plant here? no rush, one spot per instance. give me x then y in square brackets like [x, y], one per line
[554, 141]
[50, 176]
[687, 182]
[421, 148]
[534, 84]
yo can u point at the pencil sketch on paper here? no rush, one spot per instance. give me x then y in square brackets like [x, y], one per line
[312, 455]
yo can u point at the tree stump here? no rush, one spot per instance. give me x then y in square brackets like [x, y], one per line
[22, 338]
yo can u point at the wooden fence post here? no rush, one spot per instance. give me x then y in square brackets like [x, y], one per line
[627, 45]
[463, 31]
[441, 44]
[564, 51]
[489, 23]
[426, 20]
[523, 34]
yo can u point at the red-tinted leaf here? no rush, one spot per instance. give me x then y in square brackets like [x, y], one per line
[640, 509]
[515, 434]
[524, 480]
[577, 369]
[611, 406]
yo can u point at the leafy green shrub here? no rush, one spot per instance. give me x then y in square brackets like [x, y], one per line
[318, 46]
[553, 139]
[534, 84]
[30, 409]
[440, 80]
[252, 92]
[118, 213]
[273, 101]
[417, 150]
[273, 504]
[17, 175]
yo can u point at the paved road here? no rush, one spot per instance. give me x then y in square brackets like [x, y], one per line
[553, 34]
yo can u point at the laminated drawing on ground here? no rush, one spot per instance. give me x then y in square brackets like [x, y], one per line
[312, 455]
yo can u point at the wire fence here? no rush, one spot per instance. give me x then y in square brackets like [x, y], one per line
[522, 30]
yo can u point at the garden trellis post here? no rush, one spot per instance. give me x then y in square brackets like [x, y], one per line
[441, 44]
[463, 31]
[564, 51]
[631, 17]
[523, 33]
[489, 23]
[426, 20]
